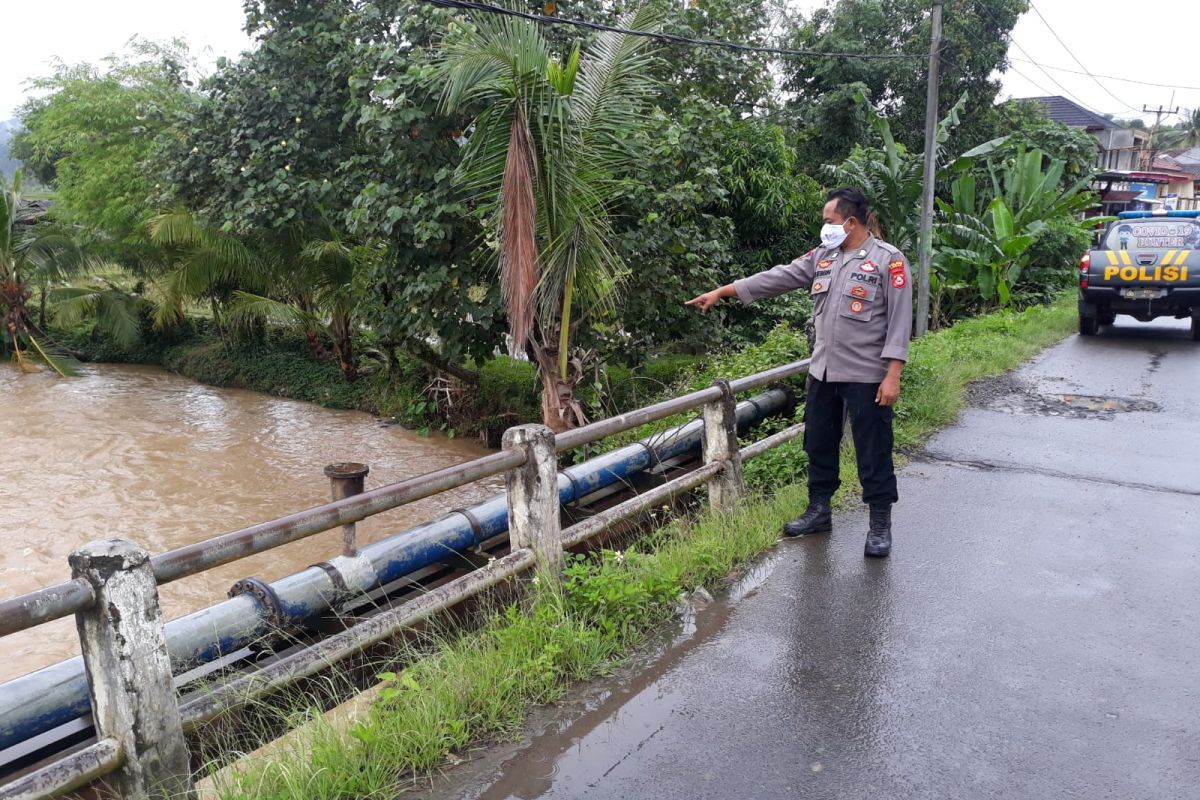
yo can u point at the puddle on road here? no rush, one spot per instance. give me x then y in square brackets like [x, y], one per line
[1011, 395]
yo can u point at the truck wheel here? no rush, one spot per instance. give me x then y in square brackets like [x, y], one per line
[1196, 324]
[1089, 320]
[1106, 316]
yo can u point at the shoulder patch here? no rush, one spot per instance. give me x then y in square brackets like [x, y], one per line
[898, 280]
[895, 265]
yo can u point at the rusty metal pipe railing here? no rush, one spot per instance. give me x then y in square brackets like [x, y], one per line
[190, 559]
[774, 440]
[596, 431]
[761, 379]
[580, 532]
[244, 690]
[66, 774]
[45, 604]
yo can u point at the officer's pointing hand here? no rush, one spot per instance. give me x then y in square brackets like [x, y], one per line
[709, 299]
[705, 301]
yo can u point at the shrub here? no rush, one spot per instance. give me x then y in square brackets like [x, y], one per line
[1053, 262]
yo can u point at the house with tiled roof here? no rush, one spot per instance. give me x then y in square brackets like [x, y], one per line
[1120, 148]
[1127, 180]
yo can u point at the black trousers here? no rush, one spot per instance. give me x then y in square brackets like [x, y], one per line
[825, 411]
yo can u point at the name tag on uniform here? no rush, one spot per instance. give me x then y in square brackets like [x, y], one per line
[871, 279]
[822, 280]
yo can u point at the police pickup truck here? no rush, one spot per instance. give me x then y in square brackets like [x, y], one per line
[1147, 265]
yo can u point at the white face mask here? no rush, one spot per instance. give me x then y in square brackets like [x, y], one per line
[833, 235]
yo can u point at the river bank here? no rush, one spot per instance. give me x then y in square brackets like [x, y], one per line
[391, 384]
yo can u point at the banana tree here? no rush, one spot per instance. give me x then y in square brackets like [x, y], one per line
[543, 161]
[986, 251]
[984, 239]
[891, 177]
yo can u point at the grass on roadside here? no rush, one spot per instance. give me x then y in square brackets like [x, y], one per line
[479, 685]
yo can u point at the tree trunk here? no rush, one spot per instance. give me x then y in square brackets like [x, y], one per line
[315, 345]
[341, 333]
[560, 410]
[42, 309]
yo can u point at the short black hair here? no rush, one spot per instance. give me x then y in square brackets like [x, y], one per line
[851, 202]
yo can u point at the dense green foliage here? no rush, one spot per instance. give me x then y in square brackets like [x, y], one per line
[91, 136]
[311, 183]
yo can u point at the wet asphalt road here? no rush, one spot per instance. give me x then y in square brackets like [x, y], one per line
[1036, 633]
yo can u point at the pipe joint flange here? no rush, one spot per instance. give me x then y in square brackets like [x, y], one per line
[265, 594]
[473, 521]
[575, 495]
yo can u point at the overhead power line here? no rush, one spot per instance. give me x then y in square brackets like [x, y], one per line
[1113, 77]
[1013, 42]
[670, 38]
[1054, 33]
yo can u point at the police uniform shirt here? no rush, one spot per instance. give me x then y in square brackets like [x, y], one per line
[862, 307]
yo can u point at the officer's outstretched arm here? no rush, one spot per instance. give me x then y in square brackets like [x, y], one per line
[777, 280]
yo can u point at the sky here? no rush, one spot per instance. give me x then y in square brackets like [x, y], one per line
[1110, 37]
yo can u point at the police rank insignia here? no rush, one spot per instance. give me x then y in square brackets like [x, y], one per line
[823, 263]
[856, 306]
[858, 291]
[868, 266]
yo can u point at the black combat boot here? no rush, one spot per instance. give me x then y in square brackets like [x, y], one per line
[817, 518]
[879, 535]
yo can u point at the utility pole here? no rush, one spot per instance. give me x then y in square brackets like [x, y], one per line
[1158, 113]
[925, 246]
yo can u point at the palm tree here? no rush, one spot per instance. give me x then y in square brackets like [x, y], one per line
[315, 293]
[29, 259]
[205, 264]
[544, 160]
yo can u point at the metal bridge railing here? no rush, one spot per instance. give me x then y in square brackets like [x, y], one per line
[140, 749]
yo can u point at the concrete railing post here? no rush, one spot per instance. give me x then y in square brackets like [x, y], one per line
[346, 480]
[129, 673]
[721, 446]
[533, 509]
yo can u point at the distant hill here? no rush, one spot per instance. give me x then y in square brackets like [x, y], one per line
[7, 164]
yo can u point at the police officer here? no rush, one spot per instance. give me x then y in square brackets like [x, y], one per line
[862, 308]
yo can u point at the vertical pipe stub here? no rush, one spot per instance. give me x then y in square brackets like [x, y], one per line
[346, 480]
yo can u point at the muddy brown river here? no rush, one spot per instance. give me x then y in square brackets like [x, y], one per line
[139, 453]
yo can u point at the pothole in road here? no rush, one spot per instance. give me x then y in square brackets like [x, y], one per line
[1010, 395]
[1078, 406]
